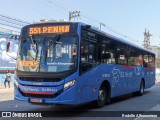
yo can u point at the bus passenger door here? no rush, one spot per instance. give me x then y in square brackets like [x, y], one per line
[88, 62]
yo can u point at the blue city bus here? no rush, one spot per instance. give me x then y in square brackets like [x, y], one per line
[75, 63]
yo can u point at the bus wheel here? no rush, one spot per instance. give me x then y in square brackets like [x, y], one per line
[102, 97]
[141, 91]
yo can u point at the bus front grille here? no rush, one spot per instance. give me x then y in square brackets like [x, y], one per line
[40, 96]
[40, 79]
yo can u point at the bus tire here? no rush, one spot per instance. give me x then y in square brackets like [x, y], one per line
[141, 90]
[102, 97]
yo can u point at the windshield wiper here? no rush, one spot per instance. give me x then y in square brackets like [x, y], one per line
[25, 49]
[58, 37]
[31, 40]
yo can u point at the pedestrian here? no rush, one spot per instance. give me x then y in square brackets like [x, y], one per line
[7, 79]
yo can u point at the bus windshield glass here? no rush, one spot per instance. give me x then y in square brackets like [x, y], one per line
[48, 53]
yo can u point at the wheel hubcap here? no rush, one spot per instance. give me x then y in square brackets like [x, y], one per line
[142, 88]
[101, 95]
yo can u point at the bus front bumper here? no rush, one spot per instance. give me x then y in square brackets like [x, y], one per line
[69, 96]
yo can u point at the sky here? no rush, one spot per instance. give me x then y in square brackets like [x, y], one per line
[127, 18]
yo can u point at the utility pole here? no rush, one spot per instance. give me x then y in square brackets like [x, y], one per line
[102, 24]
[146, 42]
[73, 14]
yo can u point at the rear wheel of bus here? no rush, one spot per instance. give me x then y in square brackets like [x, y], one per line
[141, 91]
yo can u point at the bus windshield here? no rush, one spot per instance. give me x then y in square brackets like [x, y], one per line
[48, 53]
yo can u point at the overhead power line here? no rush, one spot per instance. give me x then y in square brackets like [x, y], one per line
[31, 8]
[15, 19]
[11, 22]
[8, 30]
[84, 15]
[58, 4]
[10, 25]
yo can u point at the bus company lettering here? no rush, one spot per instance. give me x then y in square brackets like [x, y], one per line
[116, 74]
[49, 29]
[28, 89]
[119, 74]
[37, 83]
[106, 75]
[59, 63]
[49, 90]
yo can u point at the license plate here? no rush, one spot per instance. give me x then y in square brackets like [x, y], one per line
[36, 100]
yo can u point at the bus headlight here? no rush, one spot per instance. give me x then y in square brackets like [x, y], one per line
[69, 84]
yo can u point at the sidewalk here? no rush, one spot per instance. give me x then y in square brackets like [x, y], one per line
[157, 81]
[6, 94]
[5, 90]
[2, 87]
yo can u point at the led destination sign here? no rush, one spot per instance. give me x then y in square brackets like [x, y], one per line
[49, 29]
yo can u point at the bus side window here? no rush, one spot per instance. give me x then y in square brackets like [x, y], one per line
[106, 57]
[151, 61]
[84, 52]
[140, 60]
[136, 57]
[108, 51]
[122, 53]
[145, 60]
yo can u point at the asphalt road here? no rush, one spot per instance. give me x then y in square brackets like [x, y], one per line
[150, 101]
